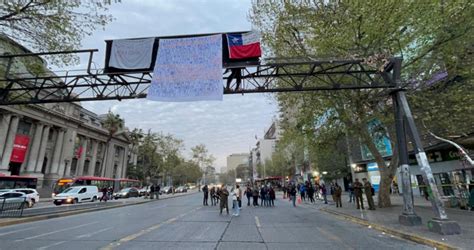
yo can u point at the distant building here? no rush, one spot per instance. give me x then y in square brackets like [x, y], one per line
[234, 160]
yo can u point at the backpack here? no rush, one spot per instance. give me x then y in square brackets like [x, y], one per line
[372, 190]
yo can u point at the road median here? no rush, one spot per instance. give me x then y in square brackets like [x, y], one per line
[13, 221]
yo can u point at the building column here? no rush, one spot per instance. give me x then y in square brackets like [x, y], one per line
[120, 163]
[82, 158]
[110, 160]
[95, 145]
[66, 155]
[34, 150]
[58, 146]
[4, 124]
[7, 151]
[42, 149]
[125, 162]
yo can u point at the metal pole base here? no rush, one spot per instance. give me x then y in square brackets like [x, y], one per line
[444, 227]
[409, 219]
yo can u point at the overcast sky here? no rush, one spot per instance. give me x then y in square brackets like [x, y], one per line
[224, 127]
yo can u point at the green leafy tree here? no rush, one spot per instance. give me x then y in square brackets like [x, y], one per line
[201, 157]
[433, 37]
[50, 25]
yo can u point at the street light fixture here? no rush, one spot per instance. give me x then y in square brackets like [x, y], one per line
[325, 172]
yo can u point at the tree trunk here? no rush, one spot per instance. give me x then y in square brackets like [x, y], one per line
[384, 189]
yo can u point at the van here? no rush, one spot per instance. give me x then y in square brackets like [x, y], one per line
[76, 194]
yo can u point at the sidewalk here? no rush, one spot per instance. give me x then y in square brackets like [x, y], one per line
[388, 218]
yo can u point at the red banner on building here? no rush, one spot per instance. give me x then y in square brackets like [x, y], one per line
[19, 148]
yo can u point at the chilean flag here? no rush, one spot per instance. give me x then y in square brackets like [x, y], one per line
[244, 45]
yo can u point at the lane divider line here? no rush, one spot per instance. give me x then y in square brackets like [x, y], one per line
[257, 221]
[57, 231]
[15, 231]
[94, 233]
[51, 245]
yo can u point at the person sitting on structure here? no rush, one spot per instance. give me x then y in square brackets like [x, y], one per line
[235, 73]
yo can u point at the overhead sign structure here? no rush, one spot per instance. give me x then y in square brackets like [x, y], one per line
[188, 69]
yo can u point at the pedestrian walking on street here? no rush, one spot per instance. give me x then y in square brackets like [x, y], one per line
[255, 196]
[235, 201]
[213, 196]
[293, 193]
[152, 191]
[223, 196]
[104, 195]
[239, 196]
[248, 193]
[351, 193]
[272, 196]
[262, 195]
[358, 194]
[205, 191]
[332, 191]
[369, 193]
[303, 192]
[324, 193]
[337, 195]
[284, 189]
[311, 193]
[157, 191]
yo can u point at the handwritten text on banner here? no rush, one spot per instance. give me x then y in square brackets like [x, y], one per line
[188, 69]
[131, 53]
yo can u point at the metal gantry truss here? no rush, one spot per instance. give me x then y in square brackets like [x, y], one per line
[92, 85]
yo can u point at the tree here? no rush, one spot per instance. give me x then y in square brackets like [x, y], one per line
[201, 157]
[113, 123]
[433, 37]
[48, 25]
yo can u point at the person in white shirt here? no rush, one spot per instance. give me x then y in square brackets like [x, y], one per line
[235, 201]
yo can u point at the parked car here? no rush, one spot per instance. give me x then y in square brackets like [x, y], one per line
[181, 189]
[127, 193]
[144, 191]
[76, 194]
[32, 194]
[15, 197]
[166, 190]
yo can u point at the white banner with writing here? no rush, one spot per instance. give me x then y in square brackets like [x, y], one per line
[131, 53]
[188, 69]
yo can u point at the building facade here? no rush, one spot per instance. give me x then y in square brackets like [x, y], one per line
[50, 141]
[234, 160]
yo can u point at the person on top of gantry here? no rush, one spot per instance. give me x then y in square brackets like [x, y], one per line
[235, 73]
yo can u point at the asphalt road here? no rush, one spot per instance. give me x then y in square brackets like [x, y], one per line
[182, 223]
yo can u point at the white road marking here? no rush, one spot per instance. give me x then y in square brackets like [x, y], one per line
[95, 232]
[57, 231]
[52, 245]
[20, 230]
[257, 221]
[157, 207]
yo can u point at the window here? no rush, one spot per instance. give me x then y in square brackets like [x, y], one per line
[24, 128]
[83, 190]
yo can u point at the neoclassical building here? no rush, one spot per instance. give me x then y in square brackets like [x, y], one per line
[50, 141]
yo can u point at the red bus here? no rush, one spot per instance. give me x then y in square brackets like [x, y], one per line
[100, 182]
[15, 181]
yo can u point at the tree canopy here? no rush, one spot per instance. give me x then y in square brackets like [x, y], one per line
[433, 37]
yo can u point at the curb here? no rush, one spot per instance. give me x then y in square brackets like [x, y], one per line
[407, 236]
[79, 211]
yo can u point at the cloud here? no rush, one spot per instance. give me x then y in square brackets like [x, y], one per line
[224, 127]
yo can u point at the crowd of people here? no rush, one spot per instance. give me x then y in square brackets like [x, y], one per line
[220, 195]
[303, 192]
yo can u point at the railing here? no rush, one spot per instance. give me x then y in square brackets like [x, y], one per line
[12, 208]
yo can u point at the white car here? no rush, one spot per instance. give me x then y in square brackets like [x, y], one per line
[76, 194]
[15, 197]
[31, 193]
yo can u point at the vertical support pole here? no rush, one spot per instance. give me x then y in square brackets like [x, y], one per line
[440, 223]
[408, 216]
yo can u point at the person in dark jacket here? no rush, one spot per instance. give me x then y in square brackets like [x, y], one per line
[272, 196]
[337, 195]
[248, 193]
[157, 191]
[224, 195]
[369, 192]
[213, 196]
[205, 191]
[255, 196]
[292, 192]
[152, 191]
[263, 192]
